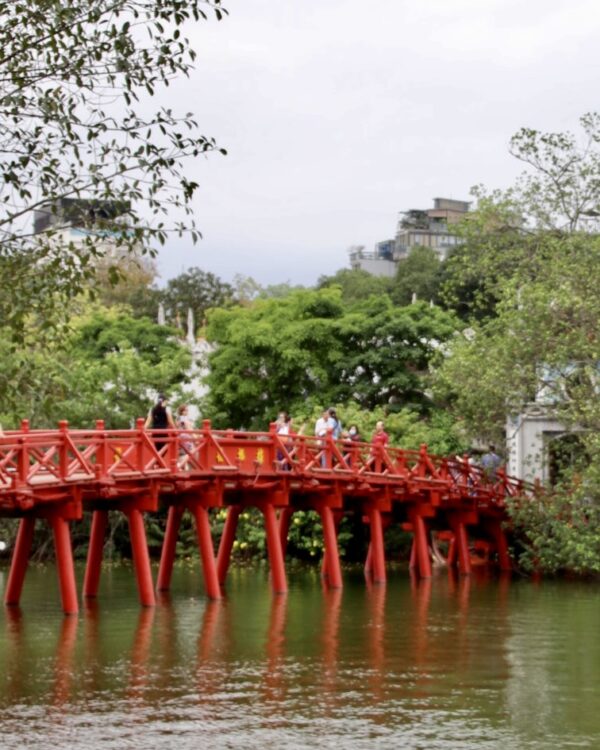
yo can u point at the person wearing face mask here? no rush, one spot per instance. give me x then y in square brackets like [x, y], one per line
[354, 434]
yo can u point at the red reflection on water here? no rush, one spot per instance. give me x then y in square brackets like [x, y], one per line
[330, 628]
[209, 674]
[273, 684]
[14, 635]
[140, 651]
[63, 663]
[376, 596]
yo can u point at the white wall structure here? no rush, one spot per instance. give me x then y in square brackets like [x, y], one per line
[200, 349]
[528, 438]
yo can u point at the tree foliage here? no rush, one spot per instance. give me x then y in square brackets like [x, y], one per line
[356, 284]
[310, 345]
[197, 290]
[530, 262]
[417, 274]
[110, 368]
[129, 281]
[77, 122]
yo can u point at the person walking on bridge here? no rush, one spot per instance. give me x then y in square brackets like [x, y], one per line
[380, 436]
[160, 417]
[490, 463]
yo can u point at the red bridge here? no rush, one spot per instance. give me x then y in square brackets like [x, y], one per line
[56, 475]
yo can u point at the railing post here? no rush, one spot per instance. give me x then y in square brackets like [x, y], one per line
[102, 452]
[329, 448]
[63, 428]
[140, 427]
[203, 451]
[23, 458]
[422, 460]
[272, 442]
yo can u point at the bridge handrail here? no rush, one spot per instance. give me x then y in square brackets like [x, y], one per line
[39, 457]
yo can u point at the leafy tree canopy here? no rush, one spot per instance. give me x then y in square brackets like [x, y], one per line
[417, 274]
[129, 281]
[512, 233]
[279, 353]
[195, 289]
[77, 123]
[110, 367]
[355, 284]
[544, 341]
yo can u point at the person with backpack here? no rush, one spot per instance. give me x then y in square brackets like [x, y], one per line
[160, 417]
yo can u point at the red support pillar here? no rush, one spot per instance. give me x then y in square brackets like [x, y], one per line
[285, 518]
[333, 570]
[167, 554]
[462, 544]
[420, 540]
[278, 579]
[368, 569]
[64, 562]
[378, 553]
[451, 558]
[226, 543]
[93, 566]
[209, 568]
[20, 558]
[504, 562]
[413, 555]
[141, 558]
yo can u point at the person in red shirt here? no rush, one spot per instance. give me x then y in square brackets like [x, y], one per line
[380, 436]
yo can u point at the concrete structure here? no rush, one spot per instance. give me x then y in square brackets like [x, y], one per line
[529, 435]
[430, 227]
[72, 221]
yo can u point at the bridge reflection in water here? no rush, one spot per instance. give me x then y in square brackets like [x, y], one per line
[445, 661]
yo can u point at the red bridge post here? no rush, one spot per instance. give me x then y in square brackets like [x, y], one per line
[93, 565]
[20, 559]
[167, 555]
[141, 558]
[209, 568]
[226, 543]
[332, 558]
[276, 561]
[64, 561]
[377, 546]
[421, 546]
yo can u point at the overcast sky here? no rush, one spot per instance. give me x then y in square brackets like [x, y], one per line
[338, 114]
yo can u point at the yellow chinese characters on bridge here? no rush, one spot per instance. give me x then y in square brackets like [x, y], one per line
[260, 456]
[220, 459]
[241, 454]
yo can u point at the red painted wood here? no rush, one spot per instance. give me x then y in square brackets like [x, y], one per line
[167, 555]
[94, 558]
[54, 474]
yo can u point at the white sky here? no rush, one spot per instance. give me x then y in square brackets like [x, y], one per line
[338, 114]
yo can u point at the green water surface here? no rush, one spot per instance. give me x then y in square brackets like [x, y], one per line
[450, 663]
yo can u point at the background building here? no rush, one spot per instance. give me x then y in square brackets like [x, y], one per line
[73, 220]
[431, 227]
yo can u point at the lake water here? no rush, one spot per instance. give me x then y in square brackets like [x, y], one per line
[450, 663]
